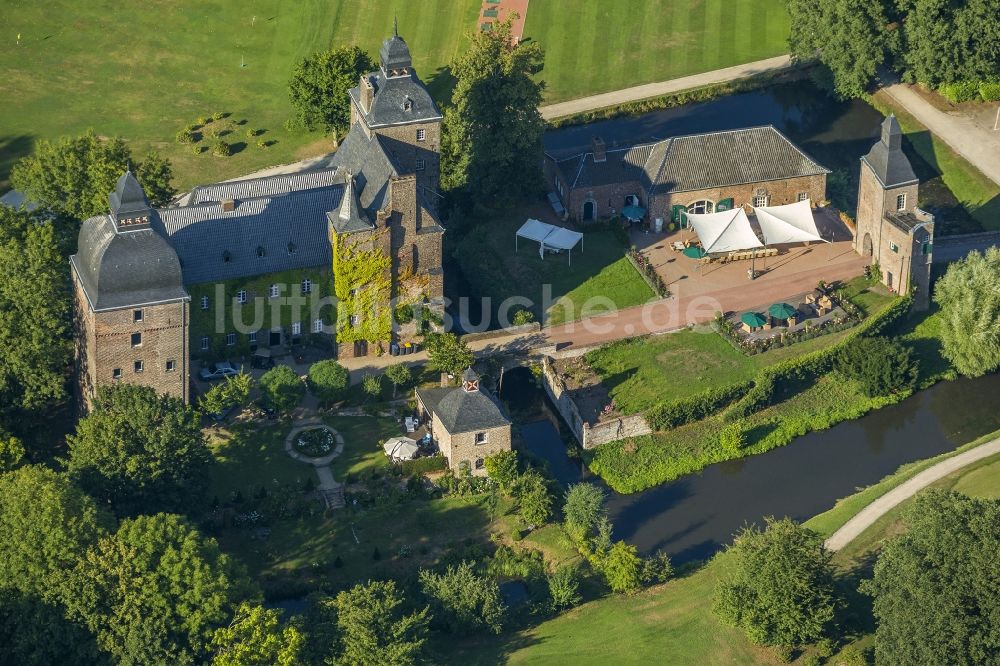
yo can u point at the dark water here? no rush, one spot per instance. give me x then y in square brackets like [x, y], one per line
[693, 517]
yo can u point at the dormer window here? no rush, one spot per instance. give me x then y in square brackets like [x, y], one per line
[407, 104]
[261, 252]
[274, 291]
[241, 296]
[226, 256]
[292, 249]
[307, 286]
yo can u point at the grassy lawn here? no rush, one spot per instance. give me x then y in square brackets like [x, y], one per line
[974, 191]
[599, 279]
[145, 70]
[602, 45]
[643, 372]
[362, 437]
[248, 457]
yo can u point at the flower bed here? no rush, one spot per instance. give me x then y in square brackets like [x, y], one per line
[647, 272]
[315, 442]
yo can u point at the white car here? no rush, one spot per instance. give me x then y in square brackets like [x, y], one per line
[218, 371]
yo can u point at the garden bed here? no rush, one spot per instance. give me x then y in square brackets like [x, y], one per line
[315, 442]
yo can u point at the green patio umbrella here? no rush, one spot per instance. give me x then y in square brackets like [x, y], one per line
[781, 311]
[634, 212]
[694, 252]
[753, 319]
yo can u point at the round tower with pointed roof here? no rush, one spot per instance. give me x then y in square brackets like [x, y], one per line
[131, 305]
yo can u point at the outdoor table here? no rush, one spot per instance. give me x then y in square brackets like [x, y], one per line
[694, 252]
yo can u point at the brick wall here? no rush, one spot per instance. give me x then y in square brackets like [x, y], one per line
[402, 144]
[459, 447]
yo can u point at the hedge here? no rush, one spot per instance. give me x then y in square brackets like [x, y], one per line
[960, 91]
[423, 465]
[695, 408]
[989, 91]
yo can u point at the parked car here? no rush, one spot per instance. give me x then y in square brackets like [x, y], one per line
[262, 362]
[218, 371]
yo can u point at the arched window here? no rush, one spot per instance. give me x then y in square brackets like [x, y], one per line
[701, 207]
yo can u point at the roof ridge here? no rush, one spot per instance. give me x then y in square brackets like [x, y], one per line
[797, 149]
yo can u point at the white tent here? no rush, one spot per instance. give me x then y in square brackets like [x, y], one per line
[727, 231]
[791, 223]
[548, 236]
[401, 448]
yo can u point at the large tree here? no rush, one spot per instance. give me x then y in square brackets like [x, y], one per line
[319, 85]
[46, 523]
[778, 585]
[463, 600]
[140, 452]
[446, 352]
[935, 588]
[73, 176]
[34, 632]
[491, 142]
[34, 319]
[850, 37]
[328, 380]
[970, 313]
[583, 509]
[374, 627]
[946, 41]
[256, 637]
[281, 388]
[155, 591]
[881, 365]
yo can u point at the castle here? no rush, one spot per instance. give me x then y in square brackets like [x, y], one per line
[322, 256]
[891, 230]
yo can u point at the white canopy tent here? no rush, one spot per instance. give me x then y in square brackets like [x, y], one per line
[727, 231]
[549, 236]
[401, 448]
[791, 223]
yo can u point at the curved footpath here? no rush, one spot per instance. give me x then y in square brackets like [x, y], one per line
[867, 516]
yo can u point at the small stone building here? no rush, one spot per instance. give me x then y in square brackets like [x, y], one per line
[703, 173]
[891, 230]
[467, 423]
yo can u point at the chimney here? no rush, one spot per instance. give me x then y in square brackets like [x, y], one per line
[600, 150]
[366, 92]
[228, 205]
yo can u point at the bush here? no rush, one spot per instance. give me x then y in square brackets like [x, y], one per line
[695, 408]
[732, 439]
[960, 91]
[523, 317]
[882, 366]
[197, 150]
[328, 380]
[989, 91]
[464, 601]
[583, 509]
[252, 132]
[622, 568]
[656, 569]
[404, 313]
[502, 468]
[372, 386]
[221, 149]
[564, 588]
[219, 115]
[281, 388]
[263, 143]
[184, 136]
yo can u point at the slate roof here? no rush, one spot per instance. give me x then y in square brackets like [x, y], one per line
[369, 161]
[128, 197]
[463, 411]
[130, 268]
[350, 217]
[395, 54]
[277, 224]
[886, 157]
[389, 106]
[700, 161]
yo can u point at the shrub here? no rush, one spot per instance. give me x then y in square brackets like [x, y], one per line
[404, 313]
[252, 132]
[657, 568]
[960, 91]
[564, 587]
[263, 143]
[197, 150]
[202, 120]
[464, 601]
[219, 115]
[502, 468]
[372, 385]
[989, 91]
[732, 439]
[697, 407]
[281, 388]
[221, 149]
[523, 317]
[583, 509]
[622, 568]
[882, 366]
[328, 380]
[184, 136]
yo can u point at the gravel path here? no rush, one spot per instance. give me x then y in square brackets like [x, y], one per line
[867, 516]
[661, 88]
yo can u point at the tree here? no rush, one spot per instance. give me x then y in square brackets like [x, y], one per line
[534, 502]
[491, 142]
[400, 375]
[881, 365]
[463, 601]
[502, 468]
[564, 587]
[848, 36]
[446, 352]
[34, 632]
[140, 452]
[11, 452]
[946, 41]
[155, 591]
[583, 509]
[935, 587]
[779, 585]
[34, 318]
[622, 568]
[328, 380]
[319, 85]
[281, 388]
[375, 630]
[970, 313]
[73, 176]
[46, 523]
[255, 637]
[372, 386]
[233, 391]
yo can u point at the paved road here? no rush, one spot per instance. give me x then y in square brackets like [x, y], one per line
[867, 516]
[977, 144]
[660, 88]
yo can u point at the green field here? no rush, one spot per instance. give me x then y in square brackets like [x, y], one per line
[145, 70]
[600, 45]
